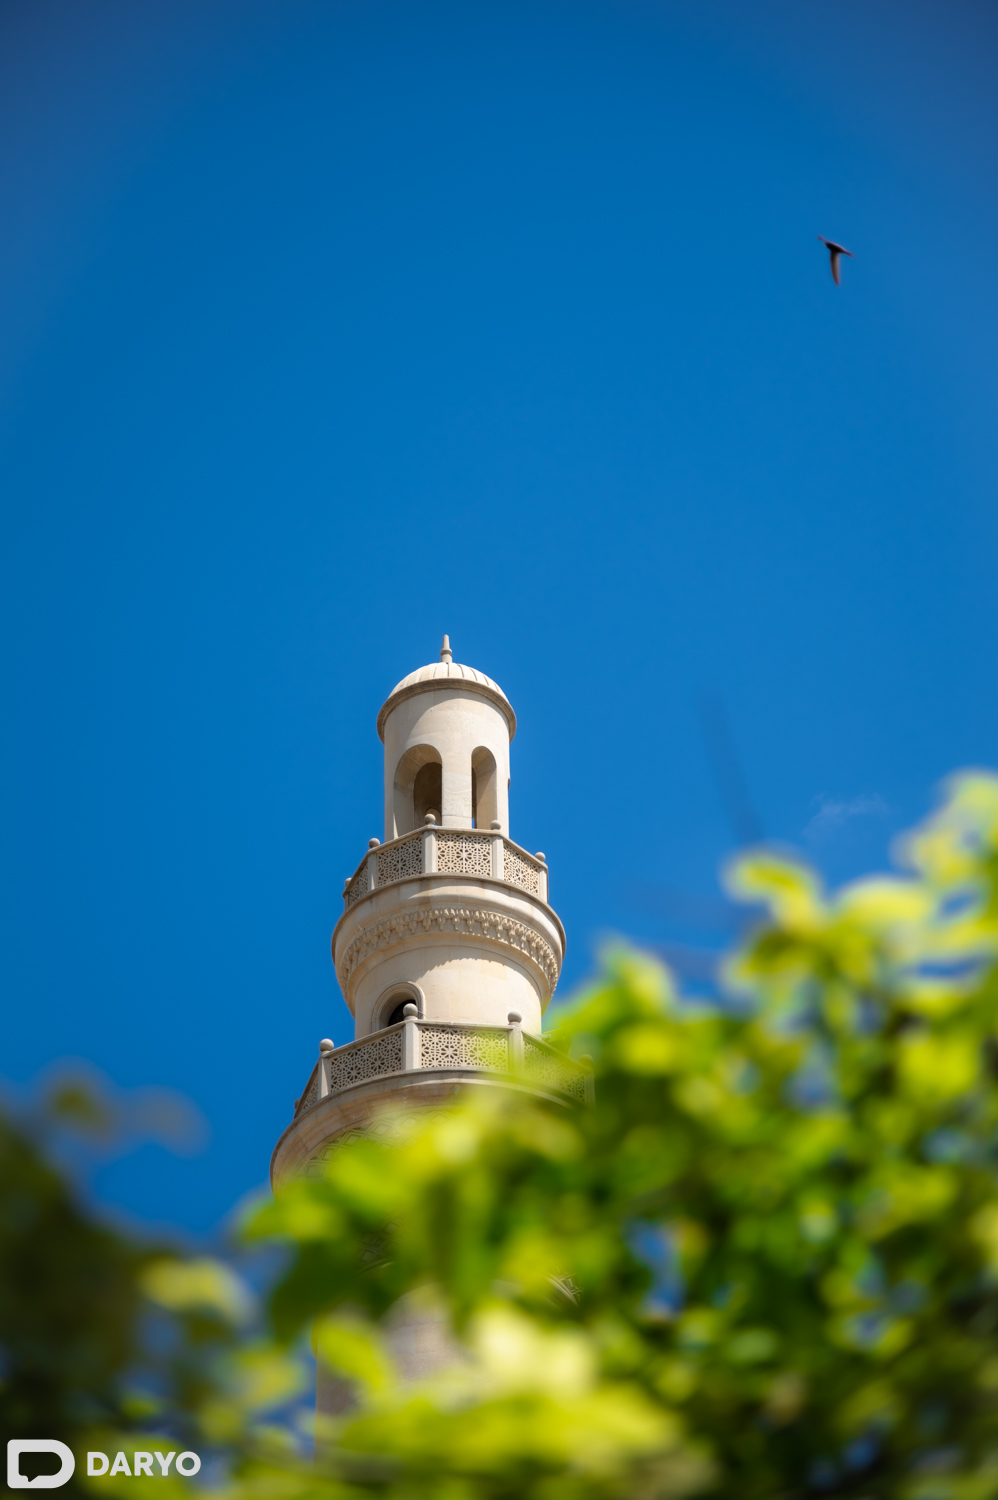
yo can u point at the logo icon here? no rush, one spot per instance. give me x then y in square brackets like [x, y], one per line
[18, 1481]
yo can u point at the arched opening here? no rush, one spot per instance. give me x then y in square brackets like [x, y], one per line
[484, 791]
[418, 788]
[390, 1009]
[428, 791]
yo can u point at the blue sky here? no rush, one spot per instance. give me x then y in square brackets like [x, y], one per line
[328, 327]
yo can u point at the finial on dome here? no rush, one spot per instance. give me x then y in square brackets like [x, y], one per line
[446, 654]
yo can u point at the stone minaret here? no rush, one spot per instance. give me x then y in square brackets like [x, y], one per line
[447, 951]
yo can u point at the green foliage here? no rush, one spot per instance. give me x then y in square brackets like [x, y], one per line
[764, 1264]
[68, 1304]
[780, 1220]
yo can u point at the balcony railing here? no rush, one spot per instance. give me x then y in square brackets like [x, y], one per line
[412, 1045]
[448, 851]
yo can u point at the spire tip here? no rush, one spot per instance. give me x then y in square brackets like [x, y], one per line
[445, 651]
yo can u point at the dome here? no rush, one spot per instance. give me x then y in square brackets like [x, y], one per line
[439, 674]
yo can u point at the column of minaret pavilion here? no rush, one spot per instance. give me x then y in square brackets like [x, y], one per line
[447, 951]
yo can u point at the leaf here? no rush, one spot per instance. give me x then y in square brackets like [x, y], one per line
[201, 1285]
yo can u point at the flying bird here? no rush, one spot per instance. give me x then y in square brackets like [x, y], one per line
[835, 252]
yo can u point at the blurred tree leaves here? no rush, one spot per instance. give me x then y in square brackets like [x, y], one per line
[764, 1264]
[69, 1303]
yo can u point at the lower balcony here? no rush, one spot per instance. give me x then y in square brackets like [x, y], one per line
[417, 1046]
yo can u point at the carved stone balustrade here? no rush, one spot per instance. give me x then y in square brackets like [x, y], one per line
[457, 917]
[448, 851]
[421, 1062]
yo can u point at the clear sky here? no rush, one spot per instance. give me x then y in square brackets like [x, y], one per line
[328, 327]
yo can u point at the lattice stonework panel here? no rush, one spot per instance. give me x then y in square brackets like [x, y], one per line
[371, 1058]
[311, 1094]
[461, 854]
[457, 1047]
[542, 1066]
[519, 871]
[399, 861]
[357, 886]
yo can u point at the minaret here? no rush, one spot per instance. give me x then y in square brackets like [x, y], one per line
[447, 951]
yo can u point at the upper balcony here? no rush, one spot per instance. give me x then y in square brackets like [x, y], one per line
[432, 850]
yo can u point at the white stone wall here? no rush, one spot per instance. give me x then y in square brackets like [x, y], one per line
[475, 949]
[453, 721]
[458, 983]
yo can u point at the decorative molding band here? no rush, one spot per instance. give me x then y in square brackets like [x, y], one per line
[477, 921]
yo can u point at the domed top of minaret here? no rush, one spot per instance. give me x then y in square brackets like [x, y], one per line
[437, 675]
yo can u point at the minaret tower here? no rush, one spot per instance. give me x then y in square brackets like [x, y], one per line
[447, 951]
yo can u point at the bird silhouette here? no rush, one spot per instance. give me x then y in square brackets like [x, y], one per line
[835, 252]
